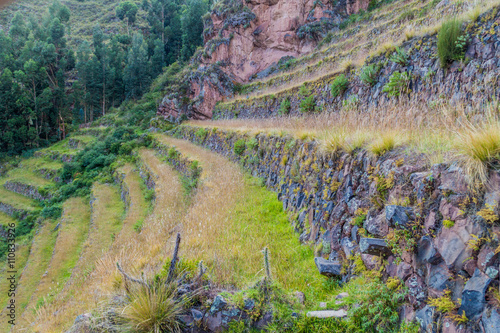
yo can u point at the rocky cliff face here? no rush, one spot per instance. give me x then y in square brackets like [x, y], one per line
[242, 41]
[471, 82]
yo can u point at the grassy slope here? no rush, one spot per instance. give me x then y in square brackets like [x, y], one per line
[16, 200]
[106, 219]
[62, 147]
[138, 208]
[233, 218]
[38, 262]
[36, 164]
[84, 16]
[73, 231]
[27, 176]
[22, 252]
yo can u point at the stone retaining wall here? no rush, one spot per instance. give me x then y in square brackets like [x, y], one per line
[427, 226]
[26, 190]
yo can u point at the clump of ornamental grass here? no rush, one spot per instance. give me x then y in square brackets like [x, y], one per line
[153, 308]
[477, 147]
[386, 142]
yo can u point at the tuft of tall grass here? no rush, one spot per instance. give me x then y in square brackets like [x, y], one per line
[384, 143]
[448, 37]
[153, 309]
[477, 147]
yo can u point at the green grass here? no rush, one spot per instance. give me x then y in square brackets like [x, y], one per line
[69, 245]
[38, 163]
[16, 200]
[38, 262]
[258, 221]
[26, 176]
[62, 147]
[23, 246]
[6, 219]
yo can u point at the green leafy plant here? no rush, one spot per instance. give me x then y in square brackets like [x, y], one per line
[451, 42]
[239, 147]
[399, 57]
[285, 106]
[398, 84]
[252, 144]
[448, 223]
[339, 85]
[308, 104]
[304, 91]
[369, 74]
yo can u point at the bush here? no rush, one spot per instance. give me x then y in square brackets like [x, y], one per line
[285, 106]
[239, 147]
[369, 74]
[304, 91]
[451, 42]
[308, 104]
[399, 57]
[339, 85]
[398, 84]
[377, 309]
[201, 133]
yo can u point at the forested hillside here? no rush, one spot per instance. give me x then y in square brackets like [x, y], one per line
[67, 63]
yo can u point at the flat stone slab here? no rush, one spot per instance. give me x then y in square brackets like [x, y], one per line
[327, 314]
[374, 247]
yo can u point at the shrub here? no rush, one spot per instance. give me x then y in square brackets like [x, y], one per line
[451, 42]
[369, 74]
[304, 91]
[201, 133]
[399, 57]
[239, 147]
[398, 84]
[377, 309]
[339, 85]
[308, 104]
[285, 106]
[253, 143]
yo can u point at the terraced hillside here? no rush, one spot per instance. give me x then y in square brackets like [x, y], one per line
[358, 191]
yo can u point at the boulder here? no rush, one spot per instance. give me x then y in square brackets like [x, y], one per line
[486, 258]
[347, 246]
[491, 321]
[473, 300]
[218, 305]
[327, 314]
[328, 268]
[427, 253]
[438, 277]
[425, 318]
[398, 215]
[374, 246]
[377, 225]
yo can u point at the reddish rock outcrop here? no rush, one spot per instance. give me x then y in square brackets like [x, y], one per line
[242, 40]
